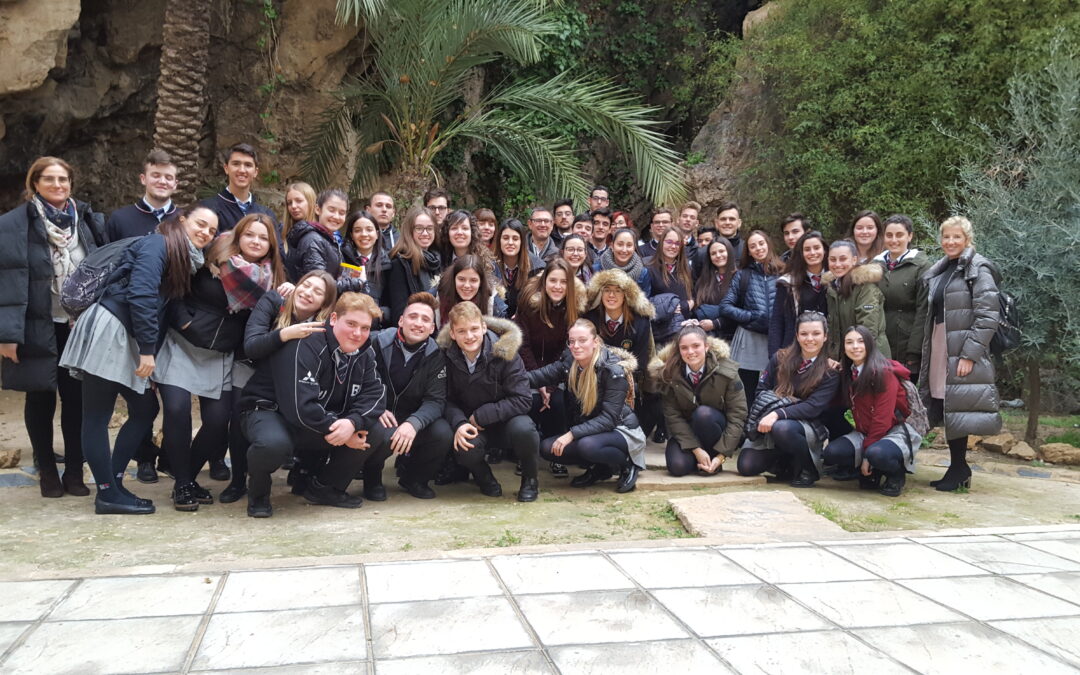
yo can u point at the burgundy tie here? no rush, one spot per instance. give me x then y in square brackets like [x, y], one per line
[670, 268]
[612, 326]
[816, 280]
[695, 378]
[805, 366]
[854, 373]
[363, 260]
[510, 274]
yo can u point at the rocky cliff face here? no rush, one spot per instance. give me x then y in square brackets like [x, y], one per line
[79, 81]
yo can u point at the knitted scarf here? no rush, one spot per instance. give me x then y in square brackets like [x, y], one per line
[62, 231]
[633, 268]
[245, 282]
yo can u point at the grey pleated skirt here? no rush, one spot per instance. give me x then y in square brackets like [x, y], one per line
[749, 349]
[203, 372]
[100, 345]
[635, 443]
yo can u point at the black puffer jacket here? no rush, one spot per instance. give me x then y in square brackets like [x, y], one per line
[376, 283]
[614, 373]
[497, 389]
[26, 274]
[203, 318]
[751, 309]
[311, 247]
[423, 399]
[261, 337]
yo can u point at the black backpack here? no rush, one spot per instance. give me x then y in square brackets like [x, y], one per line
[1007, 336]
[87, 283]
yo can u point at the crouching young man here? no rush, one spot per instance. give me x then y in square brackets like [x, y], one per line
[414, 370]
[322, 396]
[488, 397]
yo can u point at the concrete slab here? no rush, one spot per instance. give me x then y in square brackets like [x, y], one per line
[754, 517]
[660, 479]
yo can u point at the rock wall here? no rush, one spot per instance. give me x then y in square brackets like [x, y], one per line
[83, 86]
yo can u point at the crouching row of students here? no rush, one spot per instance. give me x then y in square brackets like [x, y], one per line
[798, 408]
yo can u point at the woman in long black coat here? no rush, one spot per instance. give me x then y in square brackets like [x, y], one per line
[44, 239]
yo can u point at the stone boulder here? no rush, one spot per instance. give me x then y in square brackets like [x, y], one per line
[1060, 453]
[1001, 443]
[10, 458]
[36, 32]
[1022, 450]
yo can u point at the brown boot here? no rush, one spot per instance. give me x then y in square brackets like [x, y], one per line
[49, 482]
[73, 481]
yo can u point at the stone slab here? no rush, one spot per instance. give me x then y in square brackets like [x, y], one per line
[754, 517]
[660, 479]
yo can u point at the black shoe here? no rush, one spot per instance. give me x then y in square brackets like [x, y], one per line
[628, 478]
[375, 493]
[146, 473]
[183, 497]
[846, 474]
[517, 469]
[165, 469]
[232, 493]
[451, 473]
[219, 470]
[871, 482]
[417, 489]
[894, 484]
[961, 478]
[103, 507]
[298, 480]
[72, 481]
[259, 507]
[805, 479]
[659, 436]
[494, 455]
[202, 495]
[326, 495]
[529, 490]
[290, 463]
[489, 486]
[559, 470]
[593, 475]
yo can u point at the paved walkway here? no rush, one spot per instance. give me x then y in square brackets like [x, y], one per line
[996, 601]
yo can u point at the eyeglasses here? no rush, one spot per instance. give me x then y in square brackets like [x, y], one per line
[601, 199]
[424, 230]
[580, 342]
[541, 221]
[438, 208]
[573, 251]
[612, 290]
[57, 180]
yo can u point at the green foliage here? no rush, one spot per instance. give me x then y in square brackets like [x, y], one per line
[1070, 437]
[410, 106]
[1022, 192]
[857, 87]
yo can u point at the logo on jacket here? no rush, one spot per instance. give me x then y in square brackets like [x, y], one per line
[309, 379]
[355, 391]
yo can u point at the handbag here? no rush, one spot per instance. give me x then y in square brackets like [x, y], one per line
[765, 402]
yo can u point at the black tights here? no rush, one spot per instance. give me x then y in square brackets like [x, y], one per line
[791, 452]
[608, 447]
[884, 456]
[186, 456]
[749, 382]
[957, 446]
[99, 399]
[708, 425]
[40, 409]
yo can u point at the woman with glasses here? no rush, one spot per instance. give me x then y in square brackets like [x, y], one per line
[575, 252]
[414, 263]
[604, 435]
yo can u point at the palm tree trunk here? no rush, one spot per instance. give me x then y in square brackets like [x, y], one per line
[181, 89]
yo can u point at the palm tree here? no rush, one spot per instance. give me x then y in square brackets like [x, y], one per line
[408, 106]
[181, 97]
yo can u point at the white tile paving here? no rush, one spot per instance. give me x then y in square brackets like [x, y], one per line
[646, 658]
[990, 598]
[682, 568]
[290, 589]
[1007, 557]
[29, 600]
[404, 582]
[854, 604]
[130, 597]
[1060, 637]
[560, 574]
[484, 663]
[435, 627]
[797, 564]
[830, 652]
[738, 610]
[1064, 585]
[599, 616]
[905, 561]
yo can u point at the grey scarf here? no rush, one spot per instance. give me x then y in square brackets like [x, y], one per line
[633, 268]
[195, 256]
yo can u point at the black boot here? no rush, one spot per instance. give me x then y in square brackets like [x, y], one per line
[894, 484]
[219, 470]
[259, 507]
[327, 495]
[416, 488]
[529, 490]
[489, 486]
[871, 482]
[958, 473]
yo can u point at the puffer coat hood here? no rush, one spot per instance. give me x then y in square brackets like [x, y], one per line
[865, 306]
[635, 298]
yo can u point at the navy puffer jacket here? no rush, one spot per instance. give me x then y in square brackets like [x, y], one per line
[751, 309]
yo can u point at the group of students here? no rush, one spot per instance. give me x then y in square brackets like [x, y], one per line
[336, 340]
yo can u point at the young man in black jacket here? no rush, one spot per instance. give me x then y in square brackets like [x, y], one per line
[236, 199]
[414, 370]
[488, 397]
[141, 218]
[323, 395]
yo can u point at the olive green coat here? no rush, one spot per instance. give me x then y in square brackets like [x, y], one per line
[905, 301]
[865, 306]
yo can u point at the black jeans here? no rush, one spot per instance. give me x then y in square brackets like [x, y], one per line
[99, 399]
[273, 440]
[708, 425]
[40, 409]
[518, 433]
[187, 455]
[608, 447]
[428, 451]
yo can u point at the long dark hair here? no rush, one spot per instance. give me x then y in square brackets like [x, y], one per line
[673, 365]
[448, 295]
[523, 262]
[879, 239]
[844, 288]
[772, 264]
[372, 270]
[176, 281]
[547, 309]
[871, 378]
[657, 267]
[476, 247]
[790, 358]
[797, 267]
[708, 290]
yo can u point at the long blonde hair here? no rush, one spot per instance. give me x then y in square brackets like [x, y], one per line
[286, 318]
[582, 381]
[309, 194]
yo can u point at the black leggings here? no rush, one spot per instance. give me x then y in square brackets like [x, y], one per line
[518, 433]
[40, 409]
[99, 399]
[708, 425]
[884, 456]
[607, 447]
[186, 456]
[749, 380]
[791, 452]
[553, 419]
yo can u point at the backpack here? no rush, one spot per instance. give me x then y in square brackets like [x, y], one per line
[1007, 336]
[917, 416]
[87, 283]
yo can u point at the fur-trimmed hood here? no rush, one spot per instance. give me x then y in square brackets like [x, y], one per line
[504, 333]
[533, 299]
[635, 297]
[718, 349]
[866, 273]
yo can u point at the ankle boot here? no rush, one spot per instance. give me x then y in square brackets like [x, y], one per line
[489, 486]
[529, 490]
[73, 481]
[49, 482]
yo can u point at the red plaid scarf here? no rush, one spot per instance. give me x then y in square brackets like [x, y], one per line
[245, 282]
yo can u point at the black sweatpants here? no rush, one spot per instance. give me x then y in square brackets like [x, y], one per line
[272, 441]
[518, 433]
[429, 448]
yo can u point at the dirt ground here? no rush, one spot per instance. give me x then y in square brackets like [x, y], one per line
[43, 536]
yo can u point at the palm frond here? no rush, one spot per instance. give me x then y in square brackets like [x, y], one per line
[611, 113]
[326, 143]
[356, 11]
